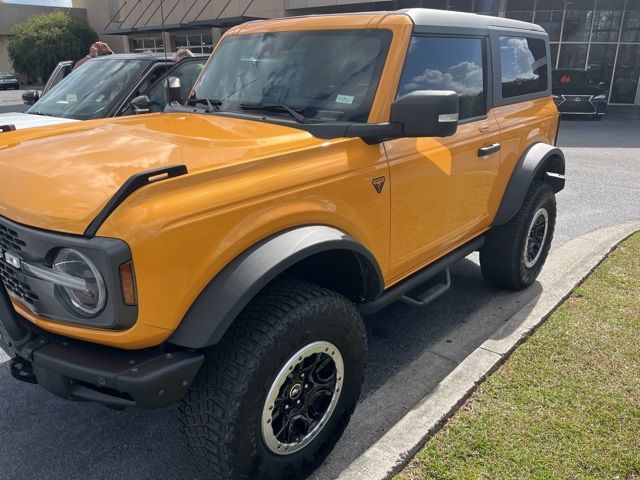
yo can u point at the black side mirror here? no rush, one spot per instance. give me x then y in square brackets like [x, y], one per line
[427, 113]
[30, 97]
[141, 104]
[174, 89]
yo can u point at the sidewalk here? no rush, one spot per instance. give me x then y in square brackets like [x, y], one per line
[567, 402]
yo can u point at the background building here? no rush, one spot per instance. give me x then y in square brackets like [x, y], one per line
[602, 36]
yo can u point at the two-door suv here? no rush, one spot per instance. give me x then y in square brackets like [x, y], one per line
[221, 254]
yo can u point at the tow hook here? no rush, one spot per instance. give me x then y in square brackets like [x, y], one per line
[22, 370]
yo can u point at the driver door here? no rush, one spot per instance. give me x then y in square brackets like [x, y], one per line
[441, 187]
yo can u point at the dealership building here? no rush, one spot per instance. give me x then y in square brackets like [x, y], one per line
[600, 36]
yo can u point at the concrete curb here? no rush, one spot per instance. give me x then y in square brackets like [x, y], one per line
[566, 267]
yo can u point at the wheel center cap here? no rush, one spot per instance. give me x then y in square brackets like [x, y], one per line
[294, 393]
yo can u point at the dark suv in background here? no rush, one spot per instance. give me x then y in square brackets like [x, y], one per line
[576, 93]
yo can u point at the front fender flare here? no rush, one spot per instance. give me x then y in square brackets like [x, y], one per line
[236, 285]
[538, 161]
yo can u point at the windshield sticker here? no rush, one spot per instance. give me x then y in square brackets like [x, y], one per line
[348, 99]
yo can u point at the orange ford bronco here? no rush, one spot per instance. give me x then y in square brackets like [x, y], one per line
[222, 254]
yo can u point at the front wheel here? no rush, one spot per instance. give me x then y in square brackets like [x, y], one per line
[515, 252]
[275, 395]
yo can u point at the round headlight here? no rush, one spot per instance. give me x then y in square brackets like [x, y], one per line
[91, 300]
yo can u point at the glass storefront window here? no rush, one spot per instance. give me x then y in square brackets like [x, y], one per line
[551, 21]
[197, 43]
[487, 7]
[461, 5]
[625, 83]
[554, 54]
[573, 56]
[600, 63]
[520, 10]
[153, 44]
[606, 22]
[577, 24]
[631, 27]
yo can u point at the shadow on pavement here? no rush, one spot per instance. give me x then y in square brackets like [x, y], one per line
[64, 440]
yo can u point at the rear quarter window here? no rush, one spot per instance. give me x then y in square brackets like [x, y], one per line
[524, 66]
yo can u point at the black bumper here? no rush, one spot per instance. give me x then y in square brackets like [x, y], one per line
[581, 105]
[75, 370]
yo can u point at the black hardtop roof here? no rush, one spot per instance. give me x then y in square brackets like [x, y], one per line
[427, 17]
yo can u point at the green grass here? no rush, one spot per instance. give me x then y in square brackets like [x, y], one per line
[566, 404]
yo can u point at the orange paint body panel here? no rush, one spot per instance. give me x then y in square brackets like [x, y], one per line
[250, 179]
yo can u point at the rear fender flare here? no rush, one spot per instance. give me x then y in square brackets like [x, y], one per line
[541, 161]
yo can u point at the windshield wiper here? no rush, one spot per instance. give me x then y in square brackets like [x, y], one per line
[42, 113]
[212, 103]
[277, 107]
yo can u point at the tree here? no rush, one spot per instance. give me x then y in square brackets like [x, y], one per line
[38, 44]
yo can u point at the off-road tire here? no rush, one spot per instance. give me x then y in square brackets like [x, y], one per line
[221, 414]
[502, 259]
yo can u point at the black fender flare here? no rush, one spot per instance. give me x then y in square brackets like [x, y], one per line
[542, 161]
[220, 302]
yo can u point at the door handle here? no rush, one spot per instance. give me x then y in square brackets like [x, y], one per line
[484, 151]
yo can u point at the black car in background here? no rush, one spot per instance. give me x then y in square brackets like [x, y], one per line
[108, 86]
[8, 80]
[577, 93]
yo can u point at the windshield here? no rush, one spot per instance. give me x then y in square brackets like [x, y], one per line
[89, 91]
[323, 75]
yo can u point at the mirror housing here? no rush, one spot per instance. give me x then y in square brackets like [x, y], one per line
[141, 104]
[174, 90]
[427, 113]
[30, 97]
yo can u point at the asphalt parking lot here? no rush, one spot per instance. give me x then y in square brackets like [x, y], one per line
[411, 350]
[11, 101]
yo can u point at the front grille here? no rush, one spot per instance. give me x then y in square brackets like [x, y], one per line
[577, 104]
[14, 285]
[9, 240]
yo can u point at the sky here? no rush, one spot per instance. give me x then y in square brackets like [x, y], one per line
[54, 3]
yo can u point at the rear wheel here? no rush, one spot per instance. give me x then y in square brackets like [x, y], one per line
[275, 395]
[514, 253]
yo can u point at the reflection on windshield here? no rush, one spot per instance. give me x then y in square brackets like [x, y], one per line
[325, 75]
[89, 91]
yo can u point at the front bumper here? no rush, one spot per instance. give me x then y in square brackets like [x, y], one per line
[75, 370]
[10, 84]
[581, 105]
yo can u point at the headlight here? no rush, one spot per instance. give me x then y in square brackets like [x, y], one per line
[91, 299]
[601, 98]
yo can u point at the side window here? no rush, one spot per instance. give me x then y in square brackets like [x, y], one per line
[446, 63]
[524, 66]
[187, 71]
